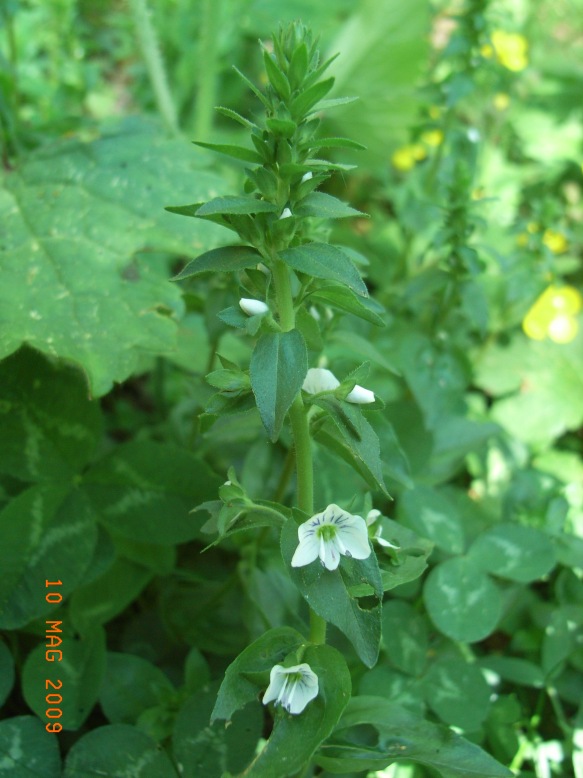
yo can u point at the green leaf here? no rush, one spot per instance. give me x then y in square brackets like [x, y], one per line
[74, 217]
[235, 205]
[364, 349]
[298, 66]
[294, 739]
[107, 596]
[237, 152]
[402, 736]
[209, 751]
[230, 114]
[518, 671]
[130, 686]
[457, 692]
[278, 367]
[27, 750]
[321, 260]
[250, 670]
[432, 515]
[307, 99]
[227, 259]
[48, 426]
[277, 78]
[119, 751]
[6, 673]
[140, 481]
[408, 562]
[80, 669]
[344, 299]
[329, 594]
[46, 529]
[253, 88]
[513, 551]
[336, 143]
[358, 436]
[324, 206]
[463, 602]
[282, 127]
[405, 637]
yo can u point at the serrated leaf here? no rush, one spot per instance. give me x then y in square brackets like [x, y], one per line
[336, 143]
[322, 260]
[278, 367]
[302, 104]
[277, 78]
[228, 259]
[235, 205]
[74, 215]
[230, 150]
[324, 206]
[230, 114]
[329, 594]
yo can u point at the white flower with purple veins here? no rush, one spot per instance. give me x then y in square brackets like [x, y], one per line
[329, 535]
[291, 687]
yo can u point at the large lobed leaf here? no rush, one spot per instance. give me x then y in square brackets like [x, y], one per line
[74, 215]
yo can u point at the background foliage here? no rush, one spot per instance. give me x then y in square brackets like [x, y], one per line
[472, 176]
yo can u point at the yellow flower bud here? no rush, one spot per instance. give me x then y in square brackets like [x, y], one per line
[555, 241]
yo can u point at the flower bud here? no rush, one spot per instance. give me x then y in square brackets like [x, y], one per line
[253, 307]
[360, 396]
[285, 214]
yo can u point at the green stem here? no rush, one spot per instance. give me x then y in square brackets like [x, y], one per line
[207, 68]
[154, 63]
[300, 426]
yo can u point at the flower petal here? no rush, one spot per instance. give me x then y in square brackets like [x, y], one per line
[253, 307]
[354, 535]
[301, 694]
[318, 379]
[277, 679]
[360, 396]
[329, 554]
[306, 551]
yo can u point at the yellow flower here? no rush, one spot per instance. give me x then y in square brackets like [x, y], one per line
[511, 49]
[555, 241]
[532, 227]
[405, 157]
[501, 101]
[432, 138]
[553, 315]
[522, 239]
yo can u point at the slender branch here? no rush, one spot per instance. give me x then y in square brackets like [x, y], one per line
[154, 63]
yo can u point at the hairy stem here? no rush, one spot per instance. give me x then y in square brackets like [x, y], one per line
[154, 63]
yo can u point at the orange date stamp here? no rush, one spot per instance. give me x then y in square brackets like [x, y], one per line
[53, 639]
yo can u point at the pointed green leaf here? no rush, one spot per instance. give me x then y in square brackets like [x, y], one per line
[301, 104]
[328, 594]
[336, 143]
[345, 299]
[298, 65]
[277, 78]
[228, 259]
[325, 206]
[278, 367]
[253, 88]
[284, 128]
[235, 205]
[322, 260]
[237, 152]
[236, 117]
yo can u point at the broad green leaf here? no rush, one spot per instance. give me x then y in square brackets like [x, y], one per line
[237, 152]
[345, 299]
[141, 481]
[27, 750]
[235, 205]
[118, 751]
[462, 601]
[433, 516]
[209, 751]
[324, 206]
[80, 669]
[329, 594]
[358, 436]
[48, 533]
[563, 633]
[74, 215]
[250, 671]
[402, 736]
[405, 637]
[48, 426]
[224, 260]
[457, 692]
[279, 364]
[295, 738]
[130, 686]
[322, 260]
[107, 596]
[515, 670]
[6, 673]
[514, 551]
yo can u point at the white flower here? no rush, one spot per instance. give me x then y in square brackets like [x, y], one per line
[371, 517]
[291, 687]
[285, 214]
[307, 176]
[313, 311]
[253, 307]
[318, 379]
[330, 534]
[360, 396]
